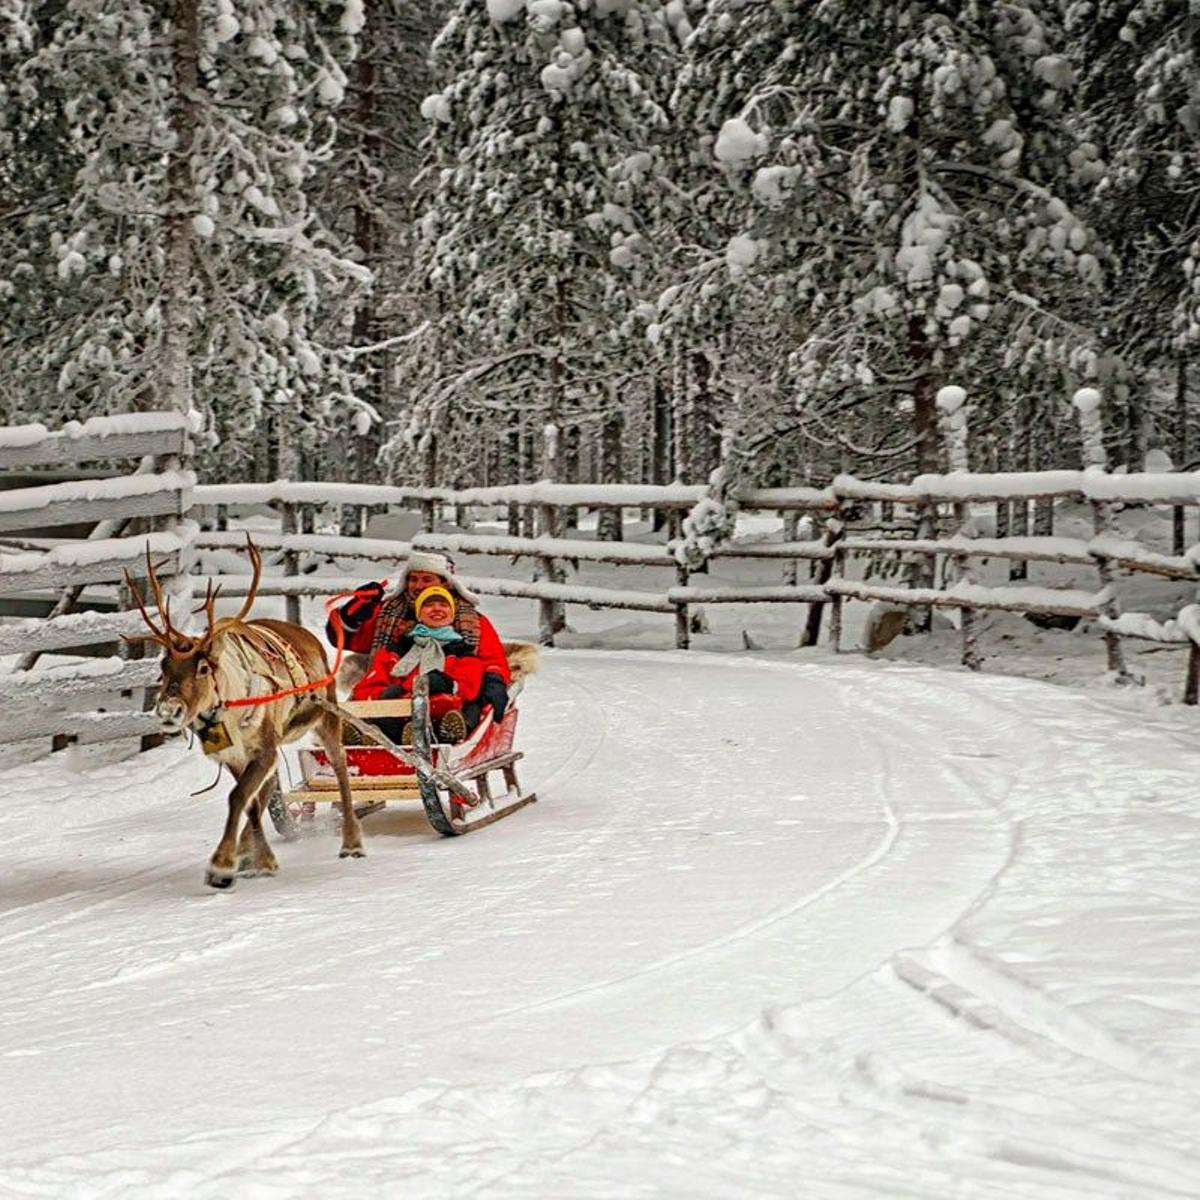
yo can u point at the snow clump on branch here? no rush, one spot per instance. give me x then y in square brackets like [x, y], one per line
[503, 11]
[710, 525]
[737, 143]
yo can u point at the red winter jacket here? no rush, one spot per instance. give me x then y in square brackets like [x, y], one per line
[359, 637]
[466, 671]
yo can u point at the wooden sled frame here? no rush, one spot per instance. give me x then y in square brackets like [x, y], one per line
[456, 794]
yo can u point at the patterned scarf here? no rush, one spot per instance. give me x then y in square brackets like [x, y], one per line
[397, 619]
[427, 652]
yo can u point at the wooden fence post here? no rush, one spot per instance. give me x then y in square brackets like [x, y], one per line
[951, 402]
[354, 520]
[835, 530]
[683, 637]
[291, 559]
[1095, 461]
[1191, 688]
[835, 607]
[791, 521]
[551, 613]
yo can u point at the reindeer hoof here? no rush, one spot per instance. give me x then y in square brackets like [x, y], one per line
[352, 852]
[251, 870]
[219, 878]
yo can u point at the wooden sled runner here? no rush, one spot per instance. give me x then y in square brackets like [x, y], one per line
[454, 783]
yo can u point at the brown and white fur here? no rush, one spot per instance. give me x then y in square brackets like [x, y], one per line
[237, 658]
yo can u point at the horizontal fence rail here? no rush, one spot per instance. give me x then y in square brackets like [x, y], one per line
[938, 532]
[106, 698]
[905, 536]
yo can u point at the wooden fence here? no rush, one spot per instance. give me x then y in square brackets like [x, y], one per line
[933, 536]
[858, 518]
[298, 502]
[102, 698]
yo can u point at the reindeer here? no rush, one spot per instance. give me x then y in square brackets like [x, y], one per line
[238, 658]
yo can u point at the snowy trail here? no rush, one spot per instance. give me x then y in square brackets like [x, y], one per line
[775, 928]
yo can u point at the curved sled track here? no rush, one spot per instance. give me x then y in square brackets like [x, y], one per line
[770, 922]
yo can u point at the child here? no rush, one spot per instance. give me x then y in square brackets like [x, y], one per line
[435, 649]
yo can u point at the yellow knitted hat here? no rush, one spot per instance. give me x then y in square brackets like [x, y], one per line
[429, 593]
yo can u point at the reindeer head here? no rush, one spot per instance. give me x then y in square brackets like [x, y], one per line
[187, 685]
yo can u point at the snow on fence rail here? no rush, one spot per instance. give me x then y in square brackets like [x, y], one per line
[550, 593]
[103, 699]
[947, 496]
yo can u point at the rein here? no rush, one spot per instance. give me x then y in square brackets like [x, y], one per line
[335, 619]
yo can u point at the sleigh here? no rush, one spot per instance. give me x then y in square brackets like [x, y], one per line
[461, 787]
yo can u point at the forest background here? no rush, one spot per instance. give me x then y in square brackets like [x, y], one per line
[609, 240]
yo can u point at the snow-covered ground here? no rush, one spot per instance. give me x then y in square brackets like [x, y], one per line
[780, 925]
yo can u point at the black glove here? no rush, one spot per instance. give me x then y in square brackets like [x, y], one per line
[356, 611]
[459, 649]
[440, 682]
[361, 607]
[494, 692]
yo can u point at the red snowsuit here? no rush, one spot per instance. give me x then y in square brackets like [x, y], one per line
[490, 653]
[465, 671]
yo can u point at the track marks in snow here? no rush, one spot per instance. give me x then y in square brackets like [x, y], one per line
[831, 820]
[968, 986]
[744, 932]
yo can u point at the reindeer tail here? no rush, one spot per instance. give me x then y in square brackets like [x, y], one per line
[353, 668]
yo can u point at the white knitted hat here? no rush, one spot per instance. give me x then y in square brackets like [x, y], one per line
[435, 564]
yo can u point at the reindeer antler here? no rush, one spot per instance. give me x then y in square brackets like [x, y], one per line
[163, 635]
[215, 627]
[210, 599]
[177, 643]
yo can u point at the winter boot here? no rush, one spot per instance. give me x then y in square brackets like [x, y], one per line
[452, 727]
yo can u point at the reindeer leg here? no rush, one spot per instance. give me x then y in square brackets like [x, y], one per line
[258, 858]
[222, 866]
[245, 847]
[329, 734]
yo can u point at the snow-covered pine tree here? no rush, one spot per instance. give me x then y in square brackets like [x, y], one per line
[364, 191]
[530, 244]
[179, 263]
[1139, 63]
[906, 169]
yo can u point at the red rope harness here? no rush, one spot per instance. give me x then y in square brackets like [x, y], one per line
[332, 609]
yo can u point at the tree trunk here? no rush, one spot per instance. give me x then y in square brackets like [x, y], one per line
[702, 408]
[1181, 445]
[552, 612]
[1023, 456]
[662, 443]
[430, 479]
[173, 385]
[366, 235]
[570, 470]
[1043, 510]
[681, 424]
[925, 429]
[510, 472]
[528, 472]
[609, 526]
